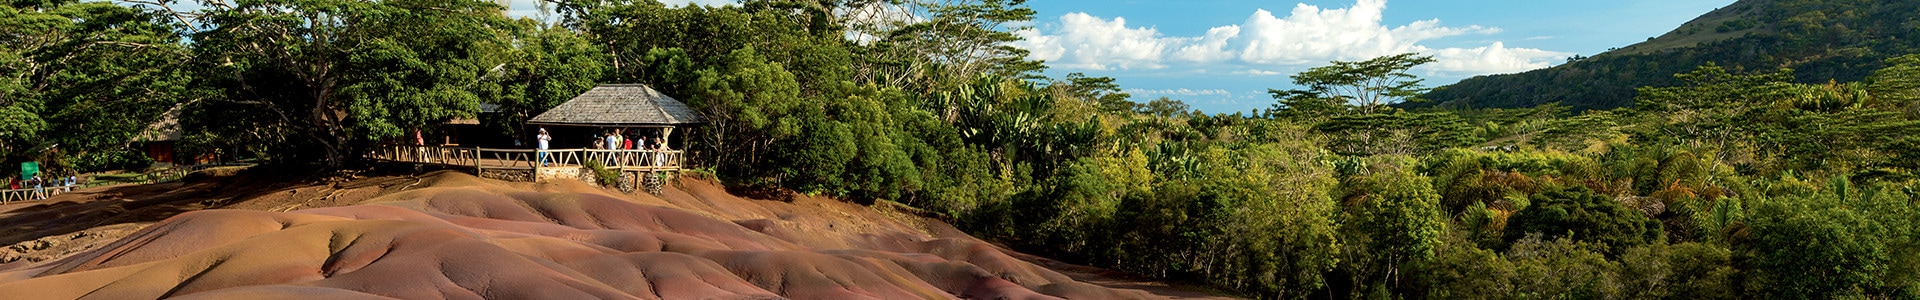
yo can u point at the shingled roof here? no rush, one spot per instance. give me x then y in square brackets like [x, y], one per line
[620, 105]
[166, 129]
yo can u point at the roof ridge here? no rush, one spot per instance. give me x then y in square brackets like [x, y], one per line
[609, 104]
[663, 111]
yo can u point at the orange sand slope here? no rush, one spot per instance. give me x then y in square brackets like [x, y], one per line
[458, 237]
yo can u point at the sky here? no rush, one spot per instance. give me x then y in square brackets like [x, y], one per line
[1221, 56]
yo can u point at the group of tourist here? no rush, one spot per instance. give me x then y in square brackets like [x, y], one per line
[610, 140]
[40, 184]
[43, 181]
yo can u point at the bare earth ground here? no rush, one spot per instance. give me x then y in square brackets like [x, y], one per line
[451, 235]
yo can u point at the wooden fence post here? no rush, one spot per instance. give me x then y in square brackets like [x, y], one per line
[477, 166]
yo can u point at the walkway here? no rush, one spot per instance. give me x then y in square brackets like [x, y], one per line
[34, 193]
[484, 159]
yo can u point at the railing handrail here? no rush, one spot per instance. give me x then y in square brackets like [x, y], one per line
[484, 158]
[539, 150]
[40, 193]
[44, 187]
[626, 150]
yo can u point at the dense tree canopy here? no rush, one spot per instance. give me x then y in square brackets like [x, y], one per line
[81, 81]
[1699, 191]
[325, 77]
[548, 65]
[1579, 214]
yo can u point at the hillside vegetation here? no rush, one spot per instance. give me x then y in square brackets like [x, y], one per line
[1820, 40]
[1723, 181]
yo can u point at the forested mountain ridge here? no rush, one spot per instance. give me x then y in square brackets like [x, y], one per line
[1821, 41]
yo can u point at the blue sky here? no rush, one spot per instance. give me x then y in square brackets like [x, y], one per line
[1221, 56]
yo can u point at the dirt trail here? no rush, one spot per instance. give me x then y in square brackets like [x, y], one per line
[451, 235]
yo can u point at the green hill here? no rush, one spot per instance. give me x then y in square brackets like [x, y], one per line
[1821, 40]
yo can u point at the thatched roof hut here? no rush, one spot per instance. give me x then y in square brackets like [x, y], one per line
[485, 108]
[165, 130]
[620, 105]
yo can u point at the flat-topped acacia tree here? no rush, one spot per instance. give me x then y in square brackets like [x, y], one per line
[1370, 84]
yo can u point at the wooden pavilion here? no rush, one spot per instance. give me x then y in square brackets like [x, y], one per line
[604, 108]
[622, 106]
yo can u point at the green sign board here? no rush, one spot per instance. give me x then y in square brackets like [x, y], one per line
[29, 169]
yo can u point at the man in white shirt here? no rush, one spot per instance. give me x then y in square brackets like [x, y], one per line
[613, 140]
[543, 145]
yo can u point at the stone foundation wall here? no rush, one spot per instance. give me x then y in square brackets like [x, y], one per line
[581, 174]
[508, 175]
[630, 181]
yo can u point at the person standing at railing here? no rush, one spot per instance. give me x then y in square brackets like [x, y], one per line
[644, 152]
[543, 138]
[611, 140]
[660, 153]
[419, 146]
[619, 143]
[39, 188]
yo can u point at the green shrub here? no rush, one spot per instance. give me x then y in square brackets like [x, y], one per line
[606, 177]
[1577, 213]
[1679, 271]
[1838, 242]
[1562, 269]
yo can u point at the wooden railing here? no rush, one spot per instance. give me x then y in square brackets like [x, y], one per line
[464, 156]
[527, 159]
[519, 159]
[561, 157]
[636, 159]
[33, 193]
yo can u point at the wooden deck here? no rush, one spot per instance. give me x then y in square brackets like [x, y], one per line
[34, 193]
[538, 162]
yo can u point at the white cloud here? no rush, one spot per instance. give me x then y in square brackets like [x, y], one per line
[1179, 92]
[1493, 59]
[1041, 47]
[1211, 47]
[1307, 36]
[1259, 72]
[1087, 42]
[1314, 35]
[866, 23]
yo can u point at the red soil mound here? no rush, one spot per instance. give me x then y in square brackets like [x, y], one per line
[450, 235]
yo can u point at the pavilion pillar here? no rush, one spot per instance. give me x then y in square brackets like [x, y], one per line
[665, 134]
